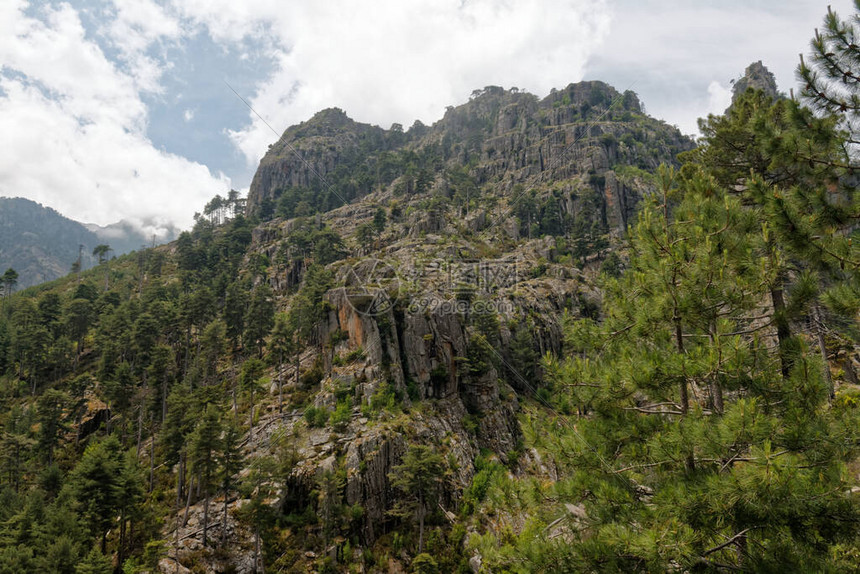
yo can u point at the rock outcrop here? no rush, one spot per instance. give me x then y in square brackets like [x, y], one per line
[756, 77]
[572, 138]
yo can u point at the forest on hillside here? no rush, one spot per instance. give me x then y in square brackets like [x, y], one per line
[667, 382]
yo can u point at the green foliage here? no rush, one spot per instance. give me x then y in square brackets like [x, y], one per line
[260, 318]
[308, 305]
[383, 399]
[485, 472]
[316, 417]
[668, 467]
[418, 478]
[424, 564]
[342, 414]
[724, 433]
[94, 563]
[480, 355]
[523, 363]
[105, 484]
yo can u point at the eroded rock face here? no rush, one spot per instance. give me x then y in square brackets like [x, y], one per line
[369, 459]
[506, 137]
[308, 151]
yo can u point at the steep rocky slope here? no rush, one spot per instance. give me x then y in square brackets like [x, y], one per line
[436, 322]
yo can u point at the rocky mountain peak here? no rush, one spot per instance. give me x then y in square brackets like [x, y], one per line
[757, 77]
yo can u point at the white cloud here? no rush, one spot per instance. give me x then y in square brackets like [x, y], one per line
[719, 97]
[396, 61]
[188, 115]
[135, 26]
[79, 127]
[671, 52]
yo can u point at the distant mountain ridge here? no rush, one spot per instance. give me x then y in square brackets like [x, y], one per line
[41, 244]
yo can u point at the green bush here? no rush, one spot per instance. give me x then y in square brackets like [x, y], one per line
[424, 564]
[342, 414]
[316, 417]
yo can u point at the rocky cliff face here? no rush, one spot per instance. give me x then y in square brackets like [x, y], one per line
[572, 139]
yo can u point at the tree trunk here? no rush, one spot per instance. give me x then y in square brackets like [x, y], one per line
[685, 397]
[224, 525]
[258, 561]
[205, 514]
[139, 429]
[421, 511]
[251, 421]
[120, 553]
[818, 324]
[280, 387]
[176, 543]
[783, 330]
[164, 397]
[151, 463]
[187, 350]
[188, 502]
[179, 478]
[679, 341]
[741, 547]
[716, 388]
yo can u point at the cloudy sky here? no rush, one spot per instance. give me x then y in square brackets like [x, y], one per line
[120, 109]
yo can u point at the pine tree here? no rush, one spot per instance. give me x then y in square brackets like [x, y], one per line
[204, 448]
[282, 345]
[9, 281]
[94, 562]
[695, 452]
[213, 344]
[249, 381]
[789, 168]
[831, 79]
[260, 318]
[50, 409]
[103, 254]
[230, 462]
[831, 86]
[418, 478]
[97, 484]
[330, 486]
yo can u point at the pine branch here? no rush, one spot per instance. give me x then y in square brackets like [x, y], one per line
[729, 542]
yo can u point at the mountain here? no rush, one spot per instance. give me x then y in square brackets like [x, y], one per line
[477, 344]
[41, 244]
[124, 236]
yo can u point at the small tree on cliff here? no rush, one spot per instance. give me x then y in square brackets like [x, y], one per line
[418, 478]
[203, 454]
[102, 252]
